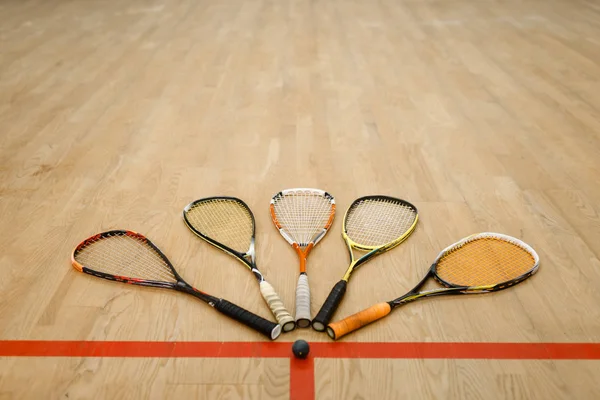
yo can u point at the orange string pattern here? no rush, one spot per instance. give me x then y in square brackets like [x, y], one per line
[484, 261]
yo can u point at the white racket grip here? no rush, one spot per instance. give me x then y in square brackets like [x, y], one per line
[303, 302]
[277, 308]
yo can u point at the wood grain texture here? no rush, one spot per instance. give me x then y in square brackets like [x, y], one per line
[485, 115]
[455, 379]
[121, 378]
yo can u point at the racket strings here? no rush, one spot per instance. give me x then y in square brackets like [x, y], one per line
[123, 255]
[484, 261]
[302, 214]
[225, 221]
[375, 222]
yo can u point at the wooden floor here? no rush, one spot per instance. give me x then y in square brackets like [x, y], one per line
[484, 114]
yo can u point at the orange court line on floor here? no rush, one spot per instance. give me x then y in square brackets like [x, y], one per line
[301, 371]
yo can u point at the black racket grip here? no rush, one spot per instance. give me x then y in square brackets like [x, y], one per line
[259, 324]
[328, 308]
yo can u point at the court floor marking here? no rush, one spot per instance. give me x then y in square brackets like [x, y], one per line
[302, 383]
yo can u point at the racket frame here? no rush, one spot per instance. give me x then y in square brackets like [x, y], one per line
[330, 305]
[248, 259]
[142, 282]
[451, 288]
[373, 251]
[267, 328]
[302, 315]
[316, 238]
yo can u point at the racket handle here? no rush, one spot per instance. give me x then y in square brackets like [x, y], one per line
[259, 324]
[354, 322]
[328, 308]
[277, 308]
[303, 302]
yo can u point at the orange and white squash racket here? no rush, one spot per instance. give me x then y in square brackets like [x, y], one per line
[303, 217]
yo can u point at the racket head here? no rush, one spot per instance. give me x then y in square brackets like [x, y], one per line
[303, 215]
[225, 222]
[125, 256]
[379, 222]
[485, 262]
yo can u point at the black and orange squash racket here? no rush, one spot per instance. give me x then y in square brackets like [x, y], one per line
[129, 257]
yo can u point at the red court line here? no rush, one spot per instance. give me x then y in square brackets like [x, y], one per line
[302, 379]
[513, 351]
[302, 383]
[522, 351]
[43, 348]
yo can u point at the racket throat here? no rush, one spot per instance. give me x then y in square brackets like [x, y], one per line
[184, 287]
[302, 264]
[302, 254]
[407, 298]
[249, 260]
[181, 286]
[250, 256]
[356, 260]
[349, 271]
[257, 274]
[414, 293]
[412, 296]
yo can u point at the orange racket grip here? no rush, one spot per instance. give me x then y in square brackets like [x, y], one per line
[354, 322]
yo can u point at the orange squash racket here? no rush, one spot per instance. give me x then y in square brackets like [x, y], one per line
[480, 263]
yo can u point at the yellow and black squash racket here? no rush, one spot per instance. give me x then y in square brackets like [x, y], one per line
[373, 224]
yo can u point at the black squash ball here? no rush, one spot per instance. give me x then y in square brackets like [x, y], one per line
[300, 349]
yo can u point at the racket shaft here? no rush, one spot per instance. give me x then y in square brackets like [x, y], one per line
[251, 320]
[354, 322]
[303, 302]
[331, 304]
[276, 305]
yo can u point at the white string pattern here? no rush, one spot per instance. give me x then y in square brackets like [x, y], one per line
[123, 255]
[302, 214]
[226, 221]
[378, 221]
